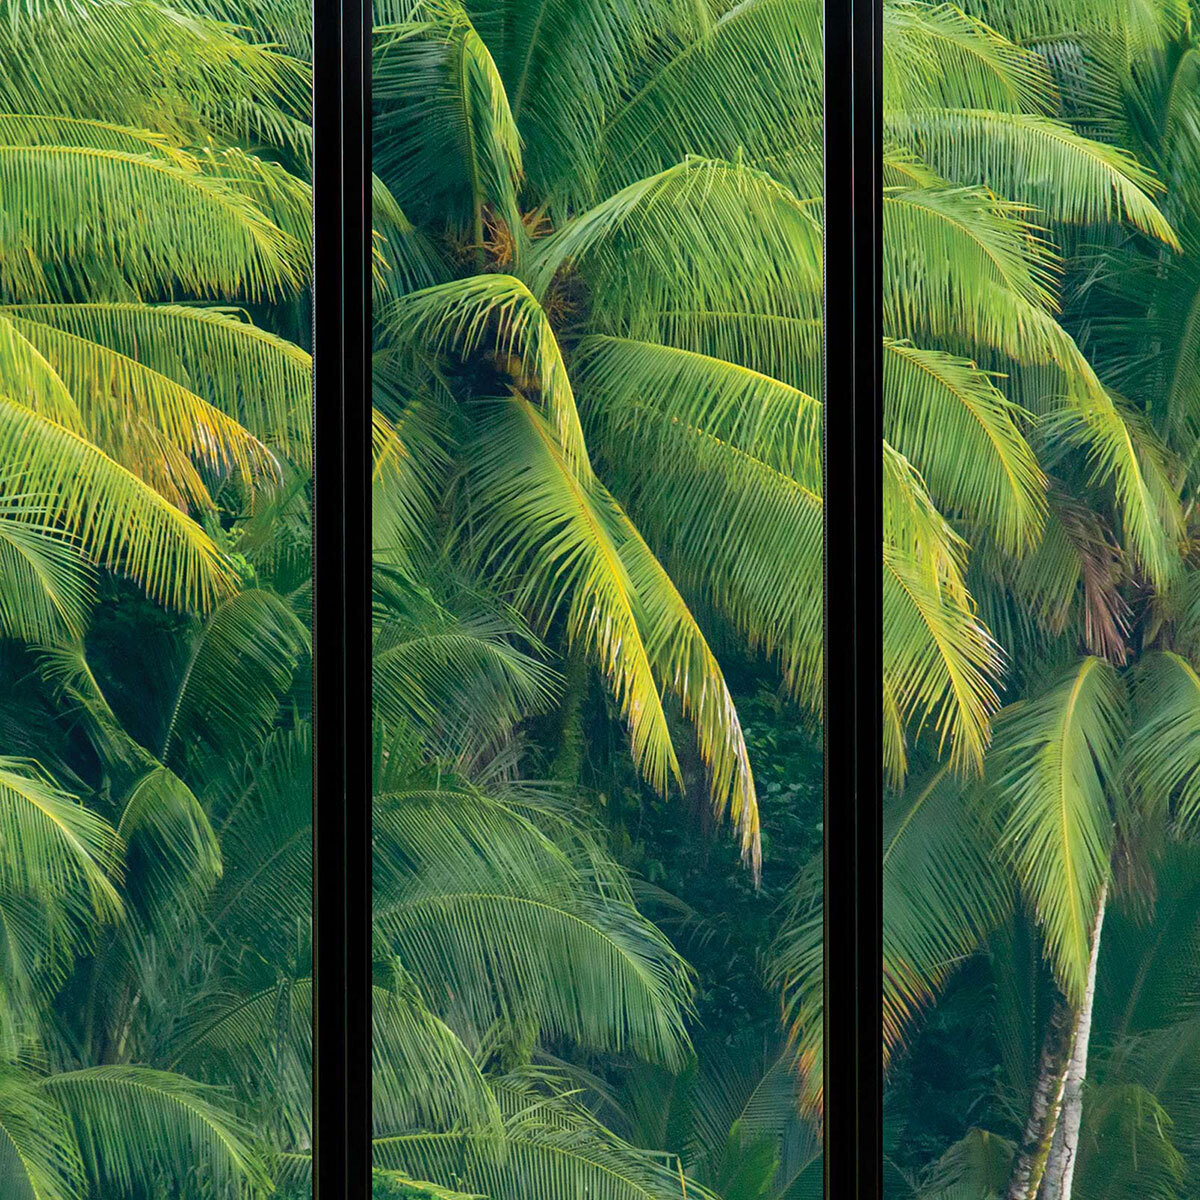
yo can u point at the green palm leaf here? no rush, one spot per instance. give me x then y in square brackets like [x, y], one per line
[117, 520]
[261, 381]
[166, 223]
[145, 1128]
[1056, 766]
[1037, 161]
[39, 1159]
[239, 665]
[57, 850]
[552, 532]
[488, 914]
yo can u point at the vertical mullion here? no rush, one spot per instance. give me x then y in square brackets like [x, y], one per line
[853, 982]
[341, 599]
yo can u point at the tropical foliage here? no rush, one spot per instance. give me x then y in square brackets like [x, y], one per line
[598, 599]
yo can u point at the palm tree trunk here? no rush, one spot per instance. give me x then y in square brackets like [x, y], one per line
[1060, 1169]
[1038, 1135]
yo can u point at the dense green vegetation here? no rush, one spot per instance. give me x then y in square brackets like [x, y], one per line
[598, 510]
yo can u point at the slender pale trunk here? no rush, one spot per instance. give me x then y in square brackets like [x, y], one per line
[1044, 1108]
[1064, 1151]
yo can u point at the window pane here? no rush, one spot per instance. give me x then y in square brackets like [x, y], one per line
[598, 621]
[155, 731]
[1040, 886]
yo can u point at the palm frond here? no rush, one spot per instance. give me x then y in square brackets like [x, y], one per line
[498, 315]
[548, 530]
[1036, 161]
[140, 1127]
[444, 135]
[260, 380]
[117, 520]
[1056, 761]
[39, 1159]
[239, 666]
[58, 850]
[950, 420]
[488, 915]
[166, 225]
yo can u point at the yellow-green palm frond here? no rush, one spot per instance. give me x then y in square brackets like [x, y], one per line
[748, 82]
[1124, 453]
[626, 382]
[960, 263]
[1036, 161]
[256, 377]
[740, 534]
[497, 315]
[939, 663]
[539, 524]
[935, 55]
[166, 225]
[444, 135]
[680, 657]
[58, 850]
[1056, 761]
[949, 418]
[138, 1127]
[119, 400]
[117, 520]
[703, 234]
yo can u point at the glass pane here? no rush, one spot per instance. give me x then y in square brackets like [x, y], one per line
[1040, 685]
[155, 732]
[598, 598]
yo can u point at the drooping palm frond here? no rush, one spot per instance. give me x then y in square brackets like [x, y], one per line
[1035, 161]
[116, 519]
[951, 420]
[939, 662]
[133, 412]
[749, 82]
[168, 224]
[1161, 754]
[537, 516]
[627, 383]
[257, 378]
[490, 917]
[703, 234]
[46, 586]
[552, 1148]
[56, 849]
[39, 1159]
[140, 1127]
[237, 669]
[1056, 767]
[445, 136]
[459, 680]
[680, 656]
[172, 855]
[197, 77]
[496, 315]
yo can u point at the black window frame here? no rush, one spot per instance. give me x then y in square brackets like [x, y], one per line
[853, 912]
